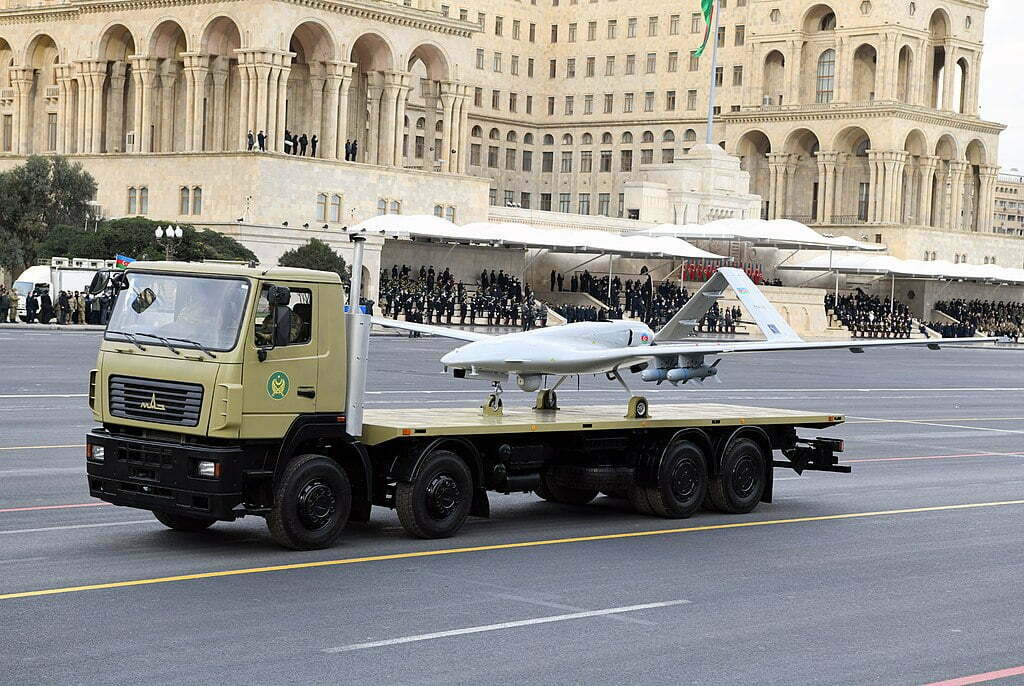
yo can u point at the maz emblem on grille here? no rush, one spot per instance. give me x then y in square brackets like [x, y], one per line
[152, 405]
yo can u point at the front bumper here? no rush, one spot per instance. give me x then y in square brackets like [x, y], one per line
[157, 475]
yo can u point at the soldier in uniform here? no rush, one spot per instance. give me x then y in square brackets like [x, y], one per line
[5, 304]
[15, 300]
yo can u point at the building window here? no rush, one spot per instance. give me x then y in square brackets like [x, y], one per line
[673, 61]
[647, 156]
[584, 203]
[566, 162]
[652, 62]
[479, 58]
[321, 207]
[719, 76]
[695, 22]
[609, 103]
[863, 194]
[382, 206]
[694, 61]
[737, 75]
[630, 64]
[572, 33]
[591, 66]
[564, 202]
[545, 201]
[510, 159]
[524, 200]
[547, 163]
[652, 26]
[588, 104]
[826, 76]
[592, 30]
[569, 104]
[612, 25]
[492, 196]
[438, 211]
[474, 154]
[449, 213]
[335, 214]
[741, 34]
[670, 100]
[631, 27]
[626, 160]
[395, 207]
[691, 99]
[627, 103]
[197, 200]
[133, 207]
[606, 161]
[143, 200]
[492, 156]
[183, 200]
[510, 198]
[527, 160]
[8, 135]
[51, 131]
[673, 25]
[649, 101]
[586, 161]
[603, 204]
[668, 155]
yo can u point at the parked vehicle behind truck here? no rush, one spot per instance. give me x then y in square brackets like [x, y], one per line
[60, 274]
[225, 391]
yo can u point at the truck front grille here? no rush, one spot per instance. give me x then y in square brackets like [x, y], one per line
[149, 400]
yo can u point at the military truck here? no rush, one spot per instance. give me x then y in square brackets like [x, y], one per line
[232, 390]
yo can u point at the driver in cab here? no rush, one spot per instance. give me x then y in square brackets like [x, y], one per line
[280, 326]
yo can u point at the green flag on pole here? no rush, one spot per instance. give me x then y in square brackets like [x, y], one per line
[707, 7]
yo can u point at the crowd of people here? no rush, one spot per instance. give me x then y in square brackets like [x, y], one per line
[868, 316]
[991, 318]
[70, 307]
[431, 297]
[300, 144]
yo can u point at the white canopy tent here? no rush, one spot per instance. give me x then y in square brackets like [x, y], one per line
[527, 236]
[776, 233]
[884, 265]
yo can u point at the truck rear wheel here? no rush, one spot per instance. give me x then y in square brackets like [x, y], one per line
[682, 482]
[741, 478]
[436, 503]
[180, 522]
[312, 502]
[555, 492]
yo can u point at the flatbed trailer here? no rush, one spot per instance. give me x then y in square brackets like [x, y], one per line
[234, 424]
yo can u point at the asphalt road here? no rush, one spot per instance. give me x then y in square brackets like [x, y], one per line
[907, 571]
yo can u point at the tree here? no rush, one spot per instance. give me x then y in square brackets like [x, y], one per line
[134, 237]
[316, 255]
[34, 198]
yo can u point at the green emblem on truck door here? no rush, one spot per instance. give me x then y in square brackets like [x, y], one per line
[277, 385]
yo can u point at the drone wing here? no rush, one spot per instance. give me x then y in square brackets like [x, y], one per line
[457, 334]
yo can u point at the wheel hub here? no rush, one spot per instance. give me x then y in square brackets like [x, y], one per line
[317, 504]
[443, 496]
[684, 481]
[744, 477]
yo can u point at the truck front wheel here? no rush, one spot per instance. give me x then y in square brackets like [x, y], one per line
[180, 522]
[312, 502]
[741, 478]
[436, 502]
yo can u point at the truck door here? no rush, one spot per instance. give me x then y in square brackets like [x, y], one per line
[285, 383]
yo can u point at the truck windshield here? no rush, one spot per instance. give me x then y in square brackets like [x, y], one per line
[199, 312]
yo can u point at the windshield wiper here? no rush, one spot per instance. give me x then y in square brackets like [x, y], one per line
[129, 337]
[165, 341]
[195, 343]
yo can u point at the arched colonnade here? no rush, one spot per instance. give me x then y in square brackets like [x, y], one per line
[843, 180]
[172, 90]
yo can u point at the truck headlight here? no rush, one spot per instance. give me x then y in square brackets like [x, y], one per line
[94, 453]
[208, 469]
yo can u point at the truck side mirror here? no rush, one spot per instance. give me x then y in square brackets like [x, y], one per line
[98, 283]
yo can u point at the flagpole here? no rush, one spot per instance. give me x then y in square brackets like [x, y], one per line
[714, 67]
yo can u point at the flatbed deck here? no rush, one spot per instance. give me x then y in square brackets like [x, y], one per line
[381, 425]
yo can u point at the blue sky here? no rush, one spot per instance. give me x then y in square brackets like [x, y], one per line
[1002, 83]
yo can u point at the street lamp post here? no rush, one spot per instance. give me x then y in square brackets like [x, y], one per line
[169, 238]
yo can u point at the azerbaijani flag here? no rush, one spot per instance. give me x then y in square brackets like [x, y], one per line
[708, 8]
[122, 262]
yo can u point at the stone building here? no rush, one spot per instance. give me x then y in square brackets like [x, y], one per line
[857, 117]
[1009, 205]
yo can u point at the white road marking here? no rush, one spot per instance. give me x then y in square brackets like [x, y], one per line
[45, 395]
[43, 447]
[503, 625]
[877, 420]
[75, 526]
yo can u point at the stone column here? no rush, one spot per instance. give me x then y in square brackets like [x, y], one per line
[99, 79]
[169, 76]
[776, 179]
[197, 66]
[844, 75]
[115, 110]
[388, 102]
[819, 214]
[220, 108]
[793, 68]
[64, 78]
[316, 100]
[22, 80]
[875, 184]
[792, 163]
[926, 169]
[345, 71]
[463, 138]
[957, 170]
[145, 67]
[839, 204]
[80, 105]
[986, 202]
[886, 72]
[281, 100]
[947, 77]
[449, 92]
[899, 164]
[826, 185]
[374, 90]
[262, 72]
[329, 131]
[401, 100]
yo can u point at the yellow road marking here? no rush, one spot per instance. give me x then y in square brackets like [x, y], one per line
[499, 546]
[43, 447]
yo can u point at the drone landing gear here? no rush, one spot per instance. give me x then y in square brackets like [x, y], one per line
[637, 407]
[492, 407]
[547, 399]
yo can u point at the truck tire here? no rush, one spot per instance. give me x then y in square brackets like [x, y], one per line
[312, 502]
[554, 492]
[180, 522]
[637, 496]
[436, 503]
[682, 482]
[741, 478]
